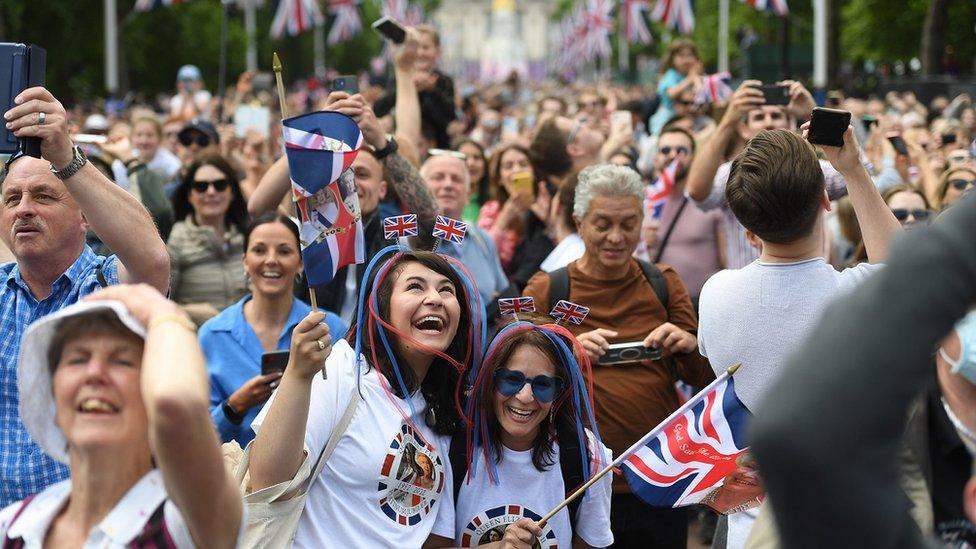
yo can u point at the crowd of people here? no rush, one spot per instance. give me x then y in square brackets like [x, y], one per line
[407, 410]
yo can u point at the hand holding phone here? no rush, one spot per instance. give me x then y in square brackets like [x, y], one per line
[348, 84]
[827, 127]
[274, 361]
[621, 353]
[522, 183]
[898, 142]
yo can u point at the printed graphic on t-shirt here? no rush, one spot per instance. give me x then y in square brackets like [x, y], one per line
[490, 525]
[412, 478]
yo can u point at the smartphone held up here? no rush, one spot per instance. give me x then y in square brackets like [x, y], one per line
[390, 29]
[24, 66]
[827, 127]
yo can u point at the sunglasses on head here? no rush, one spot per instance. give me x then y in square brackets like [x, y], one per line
[219, 185]
[544, 388]
[187, 139]
[901, 214]
[445, 152]
[666, 150]
[961, 184]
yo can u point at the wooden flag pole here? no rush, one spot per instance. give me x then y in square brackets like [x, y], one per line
[620, 459]
[276, 66]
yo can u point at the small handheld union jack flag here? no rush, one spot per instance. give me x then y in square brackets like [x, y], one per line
[400, 226]
[516, 305]
[567, 311]
[450, 229]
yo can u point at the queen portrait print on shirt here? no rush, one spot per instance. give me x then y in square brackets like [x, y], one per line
[412, 477]
[489, 526]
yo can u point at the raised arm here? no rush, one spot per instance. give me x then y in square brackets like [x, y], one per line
[407, 113]
[877, 222]
[278, 449]
[183, 439]
[118, 219]
[712, 153]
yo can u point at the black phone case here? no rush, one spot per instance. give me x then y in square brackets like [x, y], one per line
[827, 127]
[24, 66]
[775, 95]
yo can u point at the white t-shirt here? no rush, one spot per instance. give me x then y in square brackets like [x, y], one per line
[120, 527]
[568, 250]
[759, 314]
[384, 482]
[483, 510]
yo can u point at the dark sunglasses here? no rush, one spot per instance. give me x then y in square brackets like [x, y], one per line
[219, 185]
[666, 150]
[201, 139]
[510, 382]
[961, 184]
[901, 214]
[683, 102]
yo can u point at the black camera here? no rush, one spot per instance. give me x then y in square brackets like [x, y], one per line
[24, 66]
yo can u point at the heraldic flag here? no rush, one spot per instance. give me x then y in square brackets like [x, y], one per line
[321, 147]
[693, 452]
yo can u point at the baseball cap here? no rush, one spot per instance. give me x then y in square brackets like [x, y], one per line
[203, 126]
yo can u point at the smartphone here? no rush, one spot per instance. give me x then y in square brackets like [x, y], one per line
[899, 144]
[867, 120]
[827, 127]
[23, 67]
[262, 81]
[619, 353]
[620, 119]
[775, 95]
[522, 183]
[274, 361]
[348, 84]
[390, 29]
[948, 139]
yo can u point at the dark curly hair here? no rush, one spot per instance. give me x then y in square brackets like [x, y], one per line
[237, 212]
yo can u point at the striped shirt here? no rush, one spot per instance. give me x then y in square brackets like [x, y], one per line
[738, 251]
[24, 468]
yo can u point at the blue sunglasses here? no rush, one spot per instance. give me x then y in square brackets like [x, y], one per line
[510, 382]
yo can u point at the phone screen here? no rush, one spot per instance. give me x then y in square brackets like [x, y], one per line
[391, 30]
[827, 127]
[275, 361]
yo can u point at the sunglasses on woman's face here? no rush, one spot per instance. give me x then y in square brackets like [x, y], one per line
[961, 184]
[901, 214]
[544, 388]
[220, 185]
[187, 139]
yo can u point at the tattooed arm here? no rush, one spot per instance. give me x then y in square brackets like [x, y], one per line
[410, 187]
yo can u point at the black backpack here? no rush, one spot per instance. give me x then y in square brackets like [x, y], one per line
[569, 464]
[559, 284]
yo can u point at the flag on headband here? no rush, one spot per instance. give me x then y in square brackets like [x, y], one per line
[449, 229]
[516, 305]
[147, 5]
[346, 23]
[657, 193]
[321, 147]
[676, 14]
[693, 454]
[777, 6]
[715, 88]
[400, 226]
[294, 17]
[569, 312]
[634, 26]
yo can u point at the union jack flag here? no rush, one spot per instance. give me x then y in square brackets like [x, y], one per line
[715, 88]
[569, 312]
[294, 17]
[657, 193]
[321, 147]
[346, 22]
[634, 26]
[147, 5]
[403, 11]
[598, 22]
[676, 14]
[516, 305]
[777, 6]
[450, 229]
[688, 456]
[400, 226]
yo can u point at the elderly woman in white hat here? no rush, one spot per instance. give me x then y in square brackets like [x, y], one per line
[116, 388]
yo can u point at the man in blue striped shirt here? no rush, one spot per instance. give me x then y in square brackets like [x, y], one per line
[46, 206]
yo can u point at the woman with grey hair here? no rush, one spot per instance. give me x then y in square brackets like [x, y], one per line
[606, 180]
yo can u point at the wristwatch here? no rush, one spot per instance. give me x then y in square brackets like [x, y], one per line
[233, 415]
[390, 148]
[72, 168]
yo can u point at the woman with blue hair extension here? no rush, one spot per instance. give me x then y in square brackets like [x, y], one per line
[531, 433]
[392, 400]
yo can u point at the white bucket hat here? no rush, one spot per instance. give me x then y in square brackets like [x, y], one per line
[34, 381]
